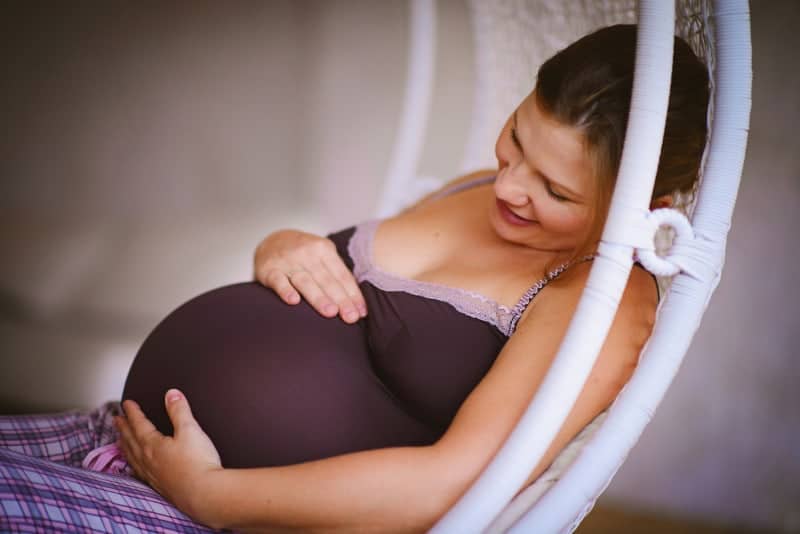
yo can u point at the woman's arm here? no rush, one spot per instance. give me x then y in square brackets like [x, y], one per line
[398, 489]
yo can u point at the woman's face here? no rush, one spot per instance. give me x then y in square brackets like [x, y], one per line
[544, 187]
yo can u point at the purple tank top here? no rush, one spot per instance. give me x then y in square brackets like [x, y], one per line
[274, 384]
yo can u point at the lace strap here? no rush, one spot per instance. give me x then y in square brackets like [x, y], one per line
[524, 301]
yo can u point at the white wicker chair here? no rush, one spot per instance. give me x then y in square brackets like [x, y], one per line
[532, 30]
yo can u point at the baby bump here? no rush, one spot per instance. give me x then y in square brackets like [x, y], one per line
[272, 384]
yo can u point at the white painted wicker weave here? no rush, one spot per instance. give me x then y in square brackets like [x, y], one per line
[532, 30]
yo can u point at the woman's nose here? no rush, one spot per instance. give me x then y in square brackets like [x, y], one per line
[508, 187]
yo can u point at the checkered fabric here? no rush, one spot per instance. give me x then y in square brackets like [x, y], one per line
[64, 437]
[43, 489]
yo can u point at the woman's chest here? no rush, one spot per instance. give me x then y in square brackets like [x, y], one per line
[453, 245]
[429, 344]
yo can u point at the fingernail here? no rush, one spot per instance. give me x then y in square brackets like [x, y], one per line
[351, 315]
[330, 309]
[173, 395]
[362, 309]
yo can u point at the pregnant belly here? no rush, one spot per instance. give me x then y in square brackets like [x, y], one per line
[271, 384]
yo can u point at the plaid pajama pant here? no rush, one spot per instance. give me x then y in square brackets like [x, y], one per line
[44, 489]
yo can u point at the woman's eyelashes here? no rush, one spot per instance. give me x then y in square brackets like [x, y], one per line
[515, 139]
[553, 194]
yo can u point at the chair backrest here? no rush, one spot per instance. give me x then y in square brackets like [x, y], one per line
[511, 39]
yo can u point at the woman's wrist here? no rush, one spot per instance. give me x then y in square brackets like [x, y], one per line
[210, 498]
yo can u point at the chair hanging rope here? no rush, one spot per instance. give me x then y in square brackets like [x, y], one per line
[413, 120]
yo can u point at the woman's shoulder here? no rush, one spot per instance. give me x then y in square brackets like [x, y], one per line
[641, 288]
[468, 178]
[636, 312]
[453, 186]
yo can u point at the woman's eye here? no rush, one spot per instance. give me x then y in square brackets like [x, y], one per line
[555, 195]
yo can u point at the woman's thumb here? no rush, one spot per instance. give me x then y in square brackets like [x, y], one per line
[178, 410]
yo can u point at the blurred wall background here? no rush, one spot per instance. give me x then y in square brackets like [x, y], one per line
[147, 148]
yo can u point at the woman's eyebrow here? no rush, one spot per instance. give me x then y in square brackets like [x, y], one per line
[517, 142]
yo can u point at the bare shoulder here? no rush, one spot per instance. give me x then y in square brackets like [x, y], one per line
[639, 303]
[634, 318]
[482, 173]
[459, 180]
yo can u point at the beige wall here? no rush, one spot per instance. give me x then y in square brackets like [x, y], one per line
[123, 111]
[147, 148]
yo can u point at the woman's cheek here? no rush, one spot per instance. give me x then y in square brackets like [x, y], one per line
[562, 220]
[578, 222]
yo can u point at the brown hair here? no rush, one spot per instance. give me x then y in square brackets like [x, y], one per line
[588, 85]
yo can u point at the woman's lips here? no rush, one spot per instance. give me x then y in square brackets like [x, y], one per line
[510, 217]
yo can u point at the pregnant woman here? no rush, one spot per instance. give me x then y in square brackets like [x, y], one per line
[366, 378]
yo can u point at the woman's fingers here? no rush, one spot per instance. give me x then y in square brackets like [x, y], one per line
[131, 447]
[141, 426]
[332, 287]
[292, 283]
[128, 442]
[179, 412]
[299, 265]
[312, 290]
[327, 293]
[279, 282]
[347, 282]
[133, 454]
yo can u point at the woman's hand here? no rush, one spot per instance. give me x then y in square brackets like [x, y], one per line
[295, 263]
[177, 467]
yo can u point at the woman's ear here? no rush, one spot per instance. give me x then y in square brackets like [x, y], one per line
[664, 201]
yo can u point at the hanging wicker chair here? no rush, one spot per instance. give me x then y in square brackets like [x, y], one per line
[510, 33]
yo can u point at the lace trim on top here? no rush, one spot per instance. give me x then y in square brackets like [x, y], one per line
[466, 302]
